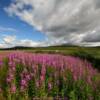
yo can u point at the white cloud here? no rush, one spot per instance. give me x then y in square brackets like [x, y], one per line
[6, 29]
[9, 39]
[27, 43]
[69, 21]
[90, 44]
[2, 45]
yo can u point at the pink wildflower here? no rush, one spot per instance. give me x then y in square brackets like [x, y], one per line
[13, 89]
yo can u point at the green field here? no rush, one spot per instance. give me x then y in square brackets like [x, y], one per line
[93, 51]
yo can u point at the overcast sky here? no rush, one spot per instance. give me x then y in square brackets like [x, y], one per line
[49, 22]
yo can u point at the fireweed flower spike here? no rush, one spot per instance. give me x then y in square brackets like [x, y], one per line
[49, 86]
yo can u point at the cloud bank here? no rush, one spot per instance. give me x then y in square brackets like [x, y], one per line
[8, 41]
[63, 21]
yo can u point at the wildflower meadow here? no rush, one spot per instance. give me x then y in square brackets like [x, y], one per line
[25, 76]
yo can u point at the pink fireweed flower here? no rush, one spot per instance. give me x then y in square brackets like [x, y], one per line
[28, 77]
[13, 89]
[10, 78]
[43, 71]
[13, 69]
[42, 78]
[11, 64]
[23, 82]
[89, 79]
[49, 86]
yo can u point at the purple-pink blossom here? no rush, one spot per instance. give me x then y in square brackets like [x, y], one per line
[13, 89]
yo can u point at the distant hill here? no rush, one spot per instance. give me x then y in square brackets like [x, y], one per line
[49, 47]
[17, 47]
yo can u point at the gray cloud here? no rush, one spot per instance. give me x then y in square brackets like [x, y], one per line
[92, 37]
[97, 3]
[70, 21]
